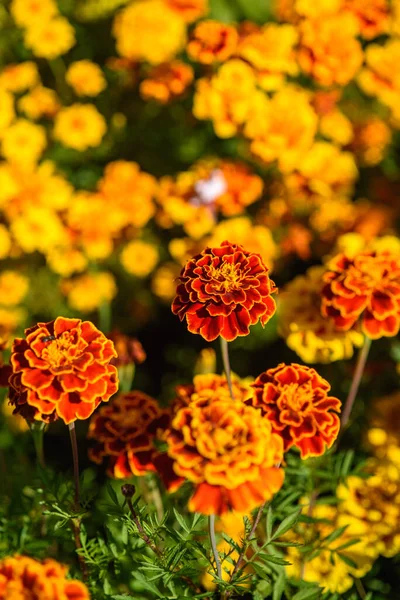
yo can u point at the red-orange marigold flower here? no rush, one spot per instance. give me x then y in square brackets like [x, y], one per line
[212, 41]
[61, 370]
[294, 398]
[125, 431]
[22, 577]
[224, 290]
[227, 450]
[367, 286]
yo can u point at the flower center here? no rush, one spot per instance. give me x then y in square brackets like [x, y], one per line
[297, 398]
[227, 275]
[58, 352]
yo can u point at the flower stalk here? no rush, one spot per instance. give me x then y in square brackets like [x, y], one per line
[355, 384]
[227, 365]
[211, 531]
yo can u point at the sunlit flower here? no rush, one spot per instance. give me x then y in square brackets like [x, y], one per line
[20, 77]
[242, 188]
[370, 507]
[28, 578]
[212, 41]
[271, 52]
[211, 383]
[313, 337]
[40, 102]
[10, 320]
[80, 126]
[38, 228]
[66, 260]
[329, 50]
[140, 23]
[189, 10]
[5, 241]
[366, 286]
[30, 13]
[13, 287]
[227, 450]
[23, 142]
[163, 283]
[335, 126]
[224, 290]
[61, 370]
[50, 39]
[86, 78]
[294, 398]
[372, 16]
[371, 140]
[87, 292]
[167, 81]
[139, 258]
[7, 112]
[383, 434]
[124, 431]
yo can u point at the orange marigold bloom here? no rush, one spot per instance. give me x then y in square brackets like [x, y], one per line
[212, 41]
[61, 370]
[294, 398]
[366, 285]
[372, 16]
[124, 431]
[167, 81]
[227, 450]
[211, 382]
[31, 579]
[224, 290]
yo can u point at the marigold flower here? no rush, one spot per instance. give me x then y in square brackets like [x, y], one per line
[23, 142]
[211, 383]
[335, 126]
[366, 286]
[125, 431]
[163, 281]
[87, 292]
[384, 435]
[28, 578]
[224, 290]
[189, 10]
[61, 370]
[227, 450]
[50, 39]
[29, 13]
[129, 349]
[167, 81]
[19, 77]
[7, 112]
[212, 41]
[86, 78]
[373, 16]
[139, 258]
[40, 102]
[13, 287]
[313, 337]
[371, 140]
[243, 188]
[80, 126]
[329, 50]
[66, 260]
[271, 52]
[137, 25]
[5, 241]
[294, 398]
[38, 228]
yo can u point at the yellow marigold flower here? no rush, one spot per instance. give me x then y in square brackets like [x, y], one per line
[130, 191]
[13, 288]
[312, 10]
[335, 126]
[211, 42]
[19, 77]
[86, 78]
[80, 126]
[29, 13]
[50, 39]
[189, 10]
[394, 23]
[371, 140]
[166, 81]
[332, 216]
[314, 338]
[28, 578]
[277, 132]
[86, 293]
[23, 142]
[66, 260]
[7, 112]
[329, 51]
[139, 258]
[163, 283]
[271, 52]
[38, 228]
[10, 320]
[138, 25]
[354, 243]
[384, 434]
[242, 231]
[5, 241]
[371, 507]
[227, 98]
[40, 102]
[327, 569]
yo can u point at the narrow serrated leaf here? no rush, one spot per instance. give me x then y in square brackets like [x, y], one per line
[286, 524]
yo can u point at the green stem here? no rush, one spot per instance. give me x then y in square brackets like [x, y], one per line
[105, 317]
[37, 430]
[75, 458]
[355, 384]
[227, 366]
[211, 531]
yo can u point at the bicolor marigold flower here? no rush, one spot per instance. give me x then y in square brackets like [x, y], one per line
[227, 450]
[167, 81]
[211, 382]
[212, 41]
[224, 290]
[294, 398]
[61, 370]
[124, 431]
[365, 286]
[28, 578]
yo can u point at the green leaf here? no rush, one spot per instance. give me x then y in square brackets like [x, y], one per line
[348, 561]
[347, 544]
[286, 524]
[307, 593]
[270, 521]
[334, 535]
[273, 558]
[279, 587]
[181, 521]
[347, 462]
[112, 493]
